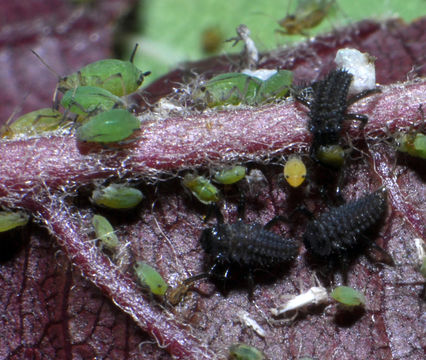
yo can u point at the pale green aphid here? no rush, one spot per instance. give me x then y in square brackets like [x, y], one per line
[228, 89]
[108, 127]
[10, 220]
[105, 232]
[331, 155]
[237, 88]
[275, 87]
[88, 100]
[242, 351]
[230, 176]
[117, 196]
[119, 77]
[348, 296]
[150, 277]
[201, 188]
[33, 123]
[412, 144]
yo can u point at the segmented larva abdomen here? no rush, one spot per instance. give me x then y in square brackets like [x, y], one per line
[248, 244]
[336, 231]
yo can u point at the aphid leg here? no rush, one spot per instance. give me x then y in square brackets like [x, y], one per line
[354, 98]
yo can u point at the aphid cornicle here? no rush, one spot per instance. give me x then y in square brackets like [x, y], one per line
[249, 245]
[327, 111]
[335, 234]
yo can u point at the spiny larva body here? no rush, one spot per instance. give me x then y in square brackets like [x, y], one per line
[327, 110]
[336, 232]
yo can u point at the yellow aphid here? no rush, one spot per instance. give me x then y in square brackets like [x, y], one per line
[295, 171]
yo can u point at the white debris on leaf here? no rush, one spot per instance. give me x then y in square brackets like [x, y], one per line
[360, 65]
[262, 74]
[244, 317]
[314, 296]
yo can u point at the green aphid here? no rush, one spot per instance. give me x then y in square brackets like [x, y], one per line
[10, 220]
[307, 15]
[275, 87]
[117, 196]
[105, 232]
[242, 351]
[201, 188]
[331, 155]
[230, 176]
[412, 144]
[228, 89]
[150, 277]
[34, 123]
[119, 77]
[348, 296]
[89, 100]
[108, 127]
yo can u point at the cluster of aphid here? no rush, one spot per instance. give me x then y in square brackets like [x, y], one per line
[92, 100]
[93, 94]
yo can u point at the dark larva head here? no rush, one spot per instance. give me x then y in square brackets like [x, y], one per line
[337, 232]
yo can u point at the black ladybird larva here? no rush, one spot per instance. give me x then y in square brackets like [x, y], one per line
[250, 245]
[328, 104]
[335, 234]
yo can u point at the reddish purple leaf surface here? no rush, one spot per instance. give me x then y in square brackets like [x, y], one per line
[51, 311]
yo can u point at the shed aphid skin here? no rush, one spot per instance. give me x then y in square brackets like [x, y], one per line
[250, 246]
[10, 220]
[295, 171]
[201, 188]
[111, 126]
[105, 233]
[314, 296]
[117, 196]
[34, 123]
[336, 235]
[327, 111]
[90, 100]
[348, 296]
[307, 15]
[245, 318]
[150, 277]
[242, 351]
[231, 175]
[119, 77]
[250, 54]
[421, 256]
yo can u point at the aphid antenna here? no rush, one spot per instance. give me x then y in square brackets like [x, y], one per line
[47, 65]
[132, 55]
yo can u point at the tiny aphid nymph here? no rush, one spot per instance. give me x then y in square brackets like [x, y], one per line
[117, 196]
[10, 220]
[201, 188]
[151, 278]
[295, 171]
[242, 351]
[348, 296]
[105, 233]
[231, 175]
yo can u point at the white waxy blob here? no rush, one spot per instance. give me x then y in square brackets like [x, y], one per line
[245, 318]
[262, 74]
[314, 296]
[360, 65]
